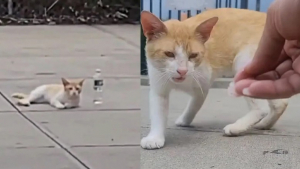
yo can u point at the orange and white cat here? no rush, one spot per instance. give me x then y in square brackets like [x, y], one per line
[60, 96]
[189, 55]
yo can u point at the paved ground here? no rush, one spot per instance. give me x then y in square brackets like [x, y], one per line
[94, 137]
[205, 147]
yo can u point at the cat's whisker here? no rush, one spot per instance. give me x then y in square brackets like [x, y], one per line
[198, 84]
[165, 82]
[160, 78]
[200, 75]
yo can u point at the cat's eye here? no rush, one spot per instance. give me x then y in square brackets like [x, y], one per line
[169, 54]
[193, 55]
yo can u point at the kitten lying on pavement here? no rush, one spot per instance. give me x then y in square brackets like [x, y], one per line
[61, 96]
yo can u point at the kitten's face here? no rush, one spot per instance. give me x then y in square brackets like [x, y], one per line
[72, 88]
[173, 47]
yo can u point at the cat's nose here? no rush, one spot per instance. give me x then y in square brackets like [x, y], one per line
[182, 71]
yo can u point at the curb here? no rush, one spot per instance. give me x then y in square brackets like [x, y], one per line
[220, 83]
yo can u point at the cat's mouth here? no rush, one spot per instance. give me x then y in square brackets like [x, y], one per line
[178, 79]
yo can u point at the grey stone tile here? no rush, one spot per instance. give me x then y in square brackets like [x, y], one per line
[16, 132]
[92, 128]
[110, 157]
[117, 94]
[60, 41]
[5, 106]
[201, 150]
[57, 67]
[42, 158]
[220, 109]
[132, 32]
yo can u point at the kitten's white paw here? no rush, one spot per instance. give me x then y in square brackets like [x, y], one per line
[23, 102]
[231, 90]
[152, 142]
[181, 122]
[60, 106]
[235, 129]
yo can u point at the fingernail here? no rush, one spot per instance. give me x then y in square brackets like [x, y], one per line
[246, 92]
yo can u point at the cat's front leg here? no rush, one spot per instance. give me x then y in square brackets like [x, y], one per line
[70, 106]
[159, 105]
[57, 104]
[194, 105]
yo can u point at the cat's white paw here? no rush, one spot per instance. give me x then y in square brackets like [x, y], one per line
[23, 102]
[235, 129]
[60, 106]
[231, 90]
[181, 122]
[152, 142]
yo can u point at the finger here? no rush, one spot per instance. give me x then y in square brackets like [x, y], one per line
[269, 48]
[242, 84]
[278, 72]
[284, 67]
[271, 75]
[268, 89]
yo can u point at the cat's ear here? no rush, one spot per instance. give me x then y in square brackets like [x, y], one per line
[81, 82]
[65, 81]
[205, 28]
[152, 26]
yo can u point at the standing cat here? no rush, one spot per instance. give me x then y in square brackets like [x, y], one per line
[65, 95]
[189, 55]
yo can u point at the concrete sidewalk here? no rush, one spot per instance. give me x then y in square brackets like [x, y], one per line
[203, 146]
[90, 137]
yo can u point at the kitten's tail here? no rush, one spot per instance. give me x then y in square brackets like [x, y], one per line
[19, 95]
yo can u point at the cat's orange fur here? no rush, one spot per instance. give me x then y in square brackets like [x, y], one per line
[235, 29]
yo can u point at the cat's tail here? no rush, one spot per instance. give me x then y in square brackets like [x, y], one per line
[19, 95]
[22, 99]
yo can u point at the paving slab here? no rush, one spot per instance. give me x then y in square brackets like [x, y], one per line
[57, 67]
[43, 158]
[118, 93]
[201, 150]
[15, 132]
[220, 109]
[5, 106]
[107, 128]
[110, 157]
[60, 41]
[130, 33]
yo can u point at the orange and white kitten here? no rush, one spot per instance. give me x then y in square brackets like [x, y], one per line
[189, 55]
[60, 96]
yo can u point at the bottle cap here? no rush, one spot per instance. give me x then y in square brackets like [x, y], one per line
[98, 70]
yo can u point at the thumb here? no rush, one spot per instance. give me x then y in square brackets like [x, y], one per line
[269, 49]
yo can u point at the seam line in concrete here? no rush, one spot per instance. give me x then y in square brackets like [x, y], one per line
[53, 77]
[48, 135]
[74, 110]
[121, 145]
[117, 36]
[220, 131]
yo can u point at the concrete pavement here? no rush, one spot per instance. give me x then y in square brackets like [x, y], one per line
[90, 137]
[204, 146]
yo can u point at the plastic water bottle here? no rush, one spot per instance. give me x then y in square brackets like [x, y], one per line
[98, 90]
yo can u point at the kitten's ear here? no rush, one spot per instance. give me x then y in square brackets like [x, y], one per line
[81, 82]
[205, 28]
[65, 81]
[152, 26]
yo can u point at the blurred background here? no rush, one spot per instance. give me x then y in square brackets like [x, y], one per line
[69, 11]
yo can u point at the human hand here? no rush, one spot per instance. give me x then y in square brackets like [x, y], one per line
[275, 69]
